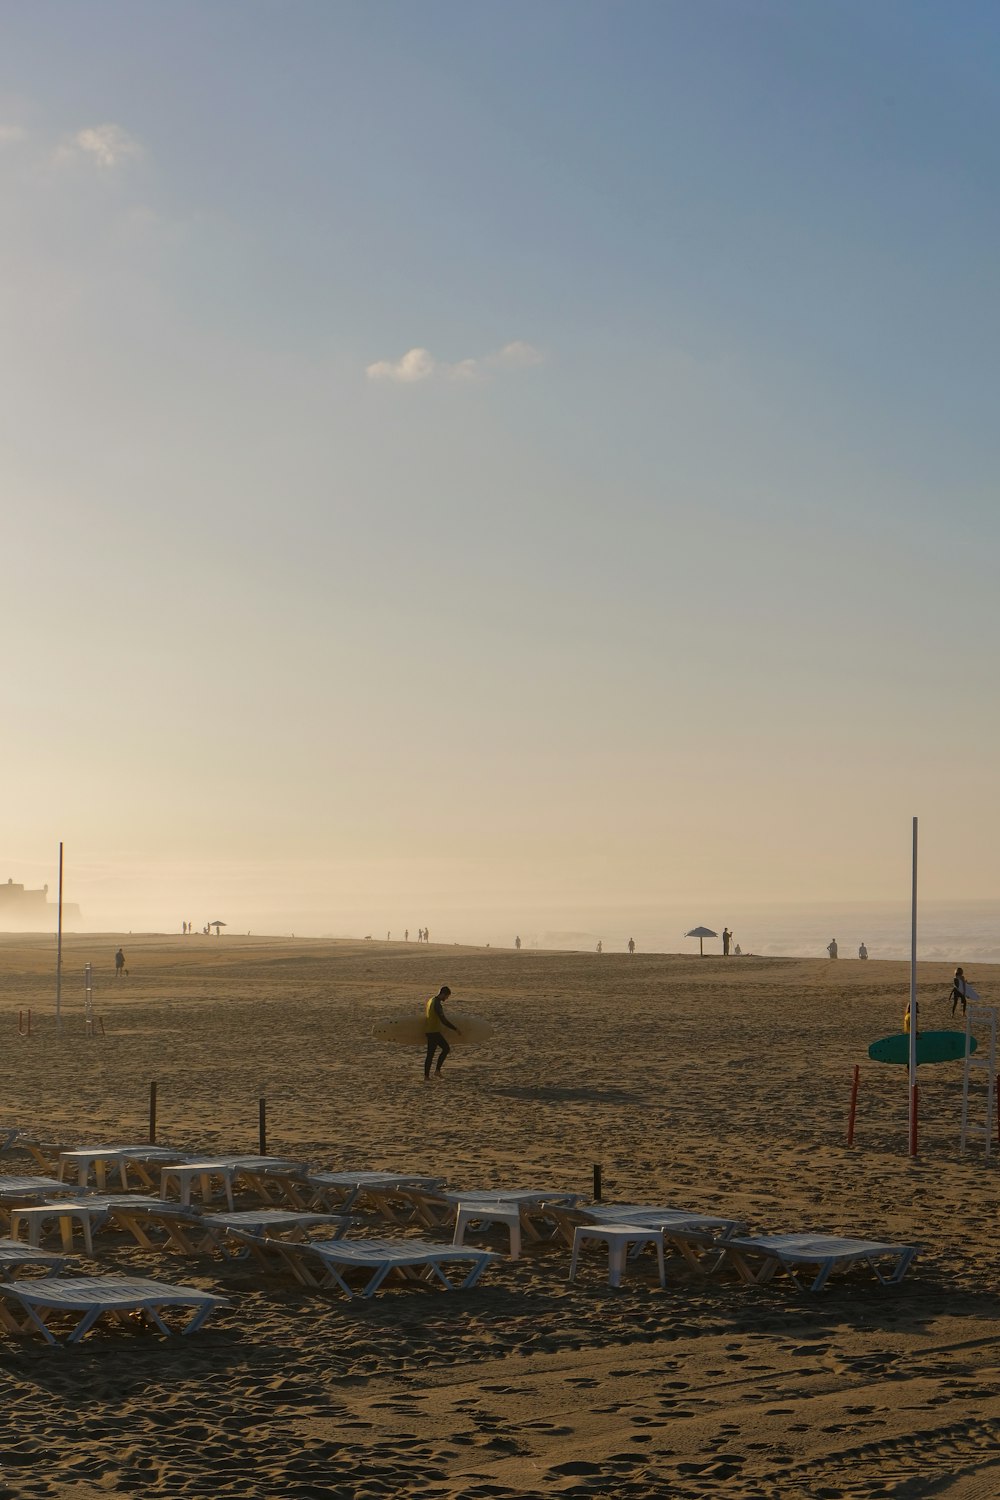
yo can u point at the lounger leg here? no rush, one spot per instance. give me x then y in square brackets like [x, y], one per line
[376, 1281]
[826, 1267]
[332, 1277]
[133, 1226]
[461, 1222]
[201, 1313]
[7, 1322]
[616, 1263]
[153, 1314]
[515, 1241]
[66, 1233]
[34, 1320]
[474, 1275]
[85, 1324]
[574, 1257]
[658, 1242]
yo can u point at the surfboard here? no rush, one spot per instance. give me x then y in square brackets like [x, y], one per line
[408, 1031]
[970, 993]
[932, 1047]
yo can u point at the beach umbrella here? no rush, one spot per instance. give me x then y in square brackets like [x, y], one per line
[701, 933]
[217, 925]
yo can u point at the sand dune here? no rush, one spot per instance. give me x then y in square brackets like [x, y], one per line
[710, 1084]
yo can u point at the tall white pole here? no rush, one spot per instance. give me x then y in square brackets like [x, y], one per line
[59, 945]
[913, 1001]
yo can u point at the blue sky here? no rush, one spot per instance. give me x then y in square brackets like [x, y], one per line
[676, 567]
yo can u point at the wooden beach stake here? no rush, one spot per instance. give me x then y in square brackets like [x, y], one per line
[854, 1105]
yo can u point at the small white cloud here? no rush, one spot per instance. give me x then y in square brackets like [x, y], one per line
[517, 355]
[420, 364]
[416, 364]
[106, 145]
[466, 369]
[11, 134]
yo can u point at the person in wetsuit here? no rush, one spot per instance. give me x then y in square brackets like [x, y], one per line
[434, 1025]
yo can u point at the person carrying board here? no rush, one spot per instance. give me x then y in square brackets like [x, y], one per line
[959, 991]
[436, 1040]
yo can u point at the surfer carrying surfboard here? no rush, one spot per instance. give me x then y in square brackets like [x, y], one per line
[436, 1040]
[959, 991]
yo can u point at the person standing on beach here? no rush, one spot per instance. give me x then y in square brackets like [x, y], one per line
[727, 938]
[631, 945]
[435, 1019]
[120, 968]
[517, 944]
[862, 951]
[958, 991]
[831, 947]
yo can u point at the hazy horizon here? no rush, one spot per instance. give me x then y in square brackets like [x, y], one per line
[947, 929]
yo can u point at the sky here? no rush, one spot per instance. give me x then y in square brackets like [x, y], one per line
[498, 457]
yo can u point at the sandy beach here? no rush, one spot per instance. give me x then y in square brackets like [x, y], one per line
[716, 1085]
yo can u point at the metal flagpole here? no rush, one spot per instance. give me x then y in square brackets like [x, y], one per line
[913, 1001]
[59, 945]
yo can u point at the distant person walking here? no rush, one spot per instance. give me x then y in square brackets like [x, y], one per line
[406, 935]
[631, 945]
[435, 1020]
[600, 947]
[120, 968]
[862, 951]
[959, 991]
[831, 947]
[517, 944]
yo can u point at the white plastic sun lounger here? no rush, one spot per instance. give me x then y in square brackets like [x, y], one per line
[28, 1305]
[757, 1259]
[696, 1236]
[340, 1191]
[16, 1256]
[326, 1263]
[32, 1189]
[274, 1179]
[233, 1233]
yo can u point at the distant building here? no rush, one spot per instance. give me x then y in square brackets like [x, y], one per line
[20, 908]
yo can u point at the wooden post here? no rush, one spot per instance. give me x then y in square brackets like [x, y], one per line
[854, 1105]
[597, 1182]
[152, 1114]
[262, 1125]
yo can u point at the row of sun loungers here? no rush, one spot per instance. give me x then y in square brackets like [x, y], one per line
[296, 1205]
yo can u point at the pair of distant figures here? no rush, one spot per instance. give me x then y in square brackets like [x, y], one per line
[833, 951]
